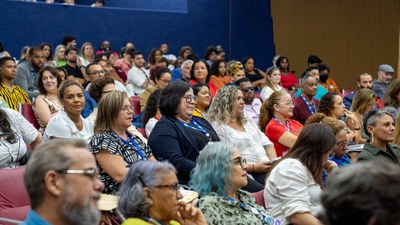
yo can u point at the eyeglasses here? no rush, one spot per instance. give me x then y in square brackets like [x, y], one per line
[342, 145]
[91, 173]
[175, 187]
[189, 98]
[165, 81]
[126, 108]
[98, 72]
[245, 90]
[241, 161]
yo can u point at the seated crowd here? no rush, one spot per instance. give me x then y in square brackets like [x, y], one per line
[226, 130]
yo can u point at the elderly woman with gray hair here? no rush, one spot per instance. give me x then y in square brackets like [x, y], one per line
[379, 126]
[150, 194]
[219, 175]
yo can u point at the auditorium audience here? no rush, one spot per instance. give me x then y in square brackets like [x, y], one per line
[326, 80]
[379, 126]
[94, 72]
[152, 114]
[59, 56]
[288, 79]
[211, 54]
[381, 84]
[161, 77]
[138, 76]
[47, 104]
[200, 73]
[256, 76]
[150, 194]
[179, 136]
[48, 54]
[87, 54]
[203, 99]
[74, 65]
[3, 53]
[272, 82]
[364, 81]
[125, 63]
[17, 135]
[252, 105]
[221, 199]
[69, 123]
[155, 57]
[235, 70]
[275, 122]
[24, 54]
[28, 71]
[11, 94]
[219, 76]
[332, 105]
[113, 146]
[305, 105]
[182, 55]
[293, 187]
[391, 100]
[227, 118]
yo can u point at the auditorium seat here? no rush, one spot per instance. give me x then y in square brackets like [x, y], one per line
[14, 200]
[135, 102]
[27, 111]
[142, 131]
[259, 196]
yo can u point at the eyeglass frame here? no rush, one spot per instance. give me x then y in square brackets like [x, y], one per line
[91, 173]
[175, 186]
[125, 108]
[242, 161]
[189, 98]
[248, 89]
[98, 72]
[342, 145]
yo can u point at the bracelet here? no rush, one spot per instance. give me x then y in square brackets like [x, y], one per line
[359, 128]
[253, 168]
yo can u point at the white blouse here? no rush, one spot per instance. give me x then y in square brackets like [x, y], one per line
[267, 91]
[290, 189]
[250, 143]
[61, 126]
[26, 134]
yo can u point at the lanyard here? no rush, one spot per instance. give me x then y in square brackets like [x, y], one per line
[33, 76]
[287, 126]
[198, 128]
[312, 108]
[134, 146]
[266, 219]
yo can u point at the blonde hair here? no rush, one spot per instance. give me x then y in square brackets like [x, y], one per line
[267, 108]
[361, 100]
[269, 73]
[223, 106]
[83, 55]
[109, 107]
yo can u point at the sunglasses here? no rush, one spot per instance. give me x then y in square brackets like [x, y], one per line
[245, 90]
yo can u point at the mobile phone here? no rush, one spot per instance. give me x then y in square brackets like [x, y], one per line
[274, 160]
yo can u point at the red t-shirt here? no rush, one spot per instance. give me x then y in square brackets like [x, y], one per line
[275, 130]
[288, 81]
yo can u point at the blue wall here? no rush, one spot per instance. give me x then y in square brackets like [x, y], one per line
[241, 27]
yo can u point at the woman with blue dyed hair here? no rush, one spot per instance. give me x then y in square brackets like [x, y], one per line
[219, 175]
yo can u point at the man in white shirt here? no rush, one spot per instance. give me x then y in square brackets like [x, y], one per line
[137, 76]
[252, 105]
[170, 57]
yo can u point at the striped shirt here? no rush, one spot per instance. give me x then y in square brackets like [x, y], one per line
[14, 97]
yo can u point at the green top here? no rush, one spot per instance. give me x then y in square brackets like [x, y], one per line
[220, 210]
[370, 151]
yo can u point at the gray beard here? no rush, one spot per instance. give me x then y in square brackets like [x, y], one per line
[79, 215]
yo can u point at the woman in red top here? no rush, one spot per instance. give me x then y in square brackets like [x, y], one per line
[200, 72]
[288, 79]
[275, 121]
[219, 77]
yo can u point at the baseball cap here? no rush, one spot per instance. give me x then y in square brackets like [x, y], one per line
[386, 68]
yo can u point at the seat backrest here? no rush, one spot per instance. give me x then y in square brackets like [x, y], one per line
[14, 200]
[259, 196]
[27, 111]
[135, 102]
[142, 131]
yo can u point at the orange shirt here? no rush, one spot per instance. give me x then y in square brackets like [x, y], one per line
[220, 82]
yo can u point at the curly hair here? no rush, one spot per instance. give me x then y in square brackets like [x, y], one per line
[215, 68]
[393, 90]
[96, 88]
[152, 56]
[267, 108]
[223, 106]
[335, 124]
[39, 80]
[151, 106]
[192, 77]
[326, 105]
[279, 61]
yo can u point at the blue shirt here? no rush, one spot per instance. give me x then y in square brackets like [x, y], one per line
[321, 91]
[90, 104]
[344, 161]
[34, 219]
[176, 74]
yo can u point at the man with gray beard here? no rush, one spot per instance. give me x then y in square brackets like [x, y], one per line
[61, 179]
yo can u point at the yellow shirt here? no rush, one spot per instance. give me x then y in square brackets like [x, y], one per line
[14, 97]
[137, 221]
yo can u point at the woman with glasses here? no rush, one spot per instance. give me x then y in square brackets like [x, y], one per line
[293, 187]
[272, 82]
[221, 199]
[179, 136]
[227, 117]
[150, 194]
[69, 123]
[363, 102]
[160, 77]
[379, 126]
[338, 155]
[47, 104]
[114, 147]
[203, 99]
[201, 73]
[275, 121]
